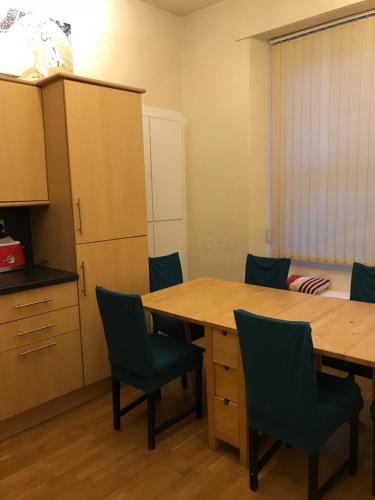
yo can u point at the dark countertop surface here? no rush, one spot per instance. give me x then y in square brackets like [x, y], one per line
[33, 277]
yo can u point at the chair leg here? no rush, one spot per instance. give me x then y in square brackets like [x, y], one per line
[253, 458]
[313, 477]
[184, 381]
[353, 459]
[198, 392]
[116, 404]
[151, 421]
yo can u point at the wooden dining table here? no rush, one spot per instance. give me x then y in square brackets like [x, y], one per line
[341, 328]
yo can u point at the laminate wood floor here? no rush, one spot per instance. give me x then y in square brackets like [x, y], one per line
[77, 455]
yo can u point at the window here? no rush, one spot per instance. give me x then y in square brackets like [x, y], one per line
[323, 145]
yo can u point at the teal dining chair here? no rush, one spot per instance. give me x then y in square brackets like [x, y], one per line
[267, 271]
[166, 271]
[289, 400]
[142, 360]
[362, 289]
[372, 413]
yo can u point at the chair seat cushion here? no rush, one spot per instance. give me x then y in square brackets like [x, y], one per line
[339, 400]
[372, 410]
[175, 327]
[173, 358]
[348, 367]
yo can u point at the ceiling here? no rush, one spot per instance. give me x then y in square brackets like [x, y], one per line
[181, 7]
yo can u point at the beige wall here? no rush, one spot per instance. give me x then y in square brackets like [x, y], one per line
[216, 100]
[257, 16]
[225, 98]
[126, 41]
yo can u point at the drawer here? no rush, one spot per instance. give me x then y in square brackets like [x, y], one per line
[39, 372]
[37, 301]
[38, 328]
[226, 421]
[226, 382]
[225, 348]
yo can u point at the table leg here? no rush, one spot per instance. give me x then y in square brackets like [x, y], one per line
[188, 337]
[318, 361]
[213, 442]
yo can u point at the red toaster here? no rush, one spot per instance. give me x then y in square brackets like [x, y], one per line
[11, 255]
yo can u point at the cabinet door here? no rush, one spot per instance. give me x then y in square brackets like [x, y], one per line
[23, 166]
[167, 169]
[148, 174]
[150, 239]
[169, 237]
[39, 372]
[104, 128]
[119, 265]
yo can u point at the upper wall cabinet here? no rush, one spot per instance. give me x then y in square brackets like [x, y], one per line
[104, 128]
[23, 166]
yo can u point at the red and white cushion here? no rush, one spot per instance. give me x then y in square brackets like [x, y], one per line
[307, 284]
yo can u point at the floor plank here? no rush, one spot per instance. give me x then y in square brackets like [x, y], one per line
[77, 455]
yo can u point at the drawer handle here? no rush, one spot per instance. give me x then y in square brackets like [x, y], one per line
[226, 402]
[19, 306]
[24, 353]
[224, 334]
[35, 330]
[226, 368]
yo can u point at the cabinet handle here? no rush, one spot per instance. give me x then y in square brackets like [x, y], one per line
[80, 228]
[84, 289]
[24, 353]
[35, 330]
[19, 306]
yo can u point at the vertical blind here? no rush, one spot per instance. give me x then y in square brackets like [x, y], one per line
[323, 145]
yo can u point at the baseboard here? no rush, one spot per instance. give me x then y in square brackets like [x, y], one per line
[39, 414]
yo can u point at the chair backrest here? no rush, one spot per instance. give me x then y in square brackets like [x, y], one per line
[165, 271]
[126, 332]
[362, 286]
[267, 271]
[280, 375]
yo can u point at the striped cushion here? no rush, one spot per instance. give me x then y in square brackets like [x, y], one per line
[306, 284]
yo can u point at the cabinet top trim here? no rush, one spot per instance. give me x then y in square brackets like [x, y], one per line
[75, 78]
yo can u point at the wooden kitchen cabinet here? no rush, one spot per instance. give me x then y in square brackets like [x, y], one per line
[23, 165]
[118, 265]
[94, 151]
[40, 347]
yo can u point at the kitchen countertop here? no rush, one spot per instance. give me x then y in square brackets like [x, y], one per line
[33, 277]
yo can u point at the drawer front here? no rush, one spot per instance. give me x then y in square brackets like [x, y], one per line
[39, 372]
[226, 421]
[29, 303]
[38, 328]
[226, 382]
[225, 348]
